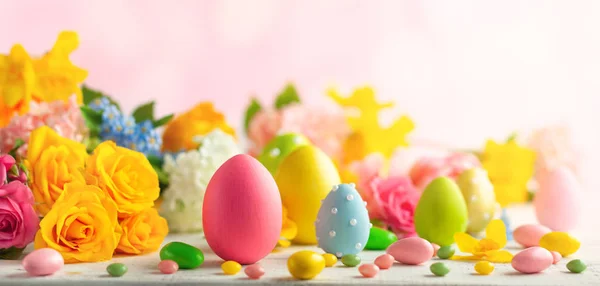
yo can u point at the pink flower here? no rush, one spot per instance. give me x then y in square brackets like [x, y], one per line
[428, 168]
[393, 201]
[6, 163]
[554, 147]
[18, 220]
[263, 127]
[366, 169]
[64, 117]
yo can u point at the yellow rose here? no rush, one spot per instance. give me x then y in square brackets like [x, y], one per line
[125, 175]
[82, 225]
[142, 232]
[203, 118]
[52, 162]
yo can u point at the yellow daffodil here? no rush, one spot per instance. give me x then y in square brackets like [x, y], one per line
[510, 167]
[57, 77]
[289, 230]
[488, 248]
[17, 80]
[368, 136]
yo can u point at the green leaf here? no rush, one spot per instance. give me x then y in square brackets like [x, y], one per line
[11, 253]
[252, 110]
[155, 161]
[162, 121]
[144, 112]
[512, 137]
[89, 95]
[18, 143]
[93, 120]
[288, 96]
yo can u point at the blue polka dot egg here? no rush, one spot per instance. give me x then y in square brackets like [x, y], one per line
[343, 221]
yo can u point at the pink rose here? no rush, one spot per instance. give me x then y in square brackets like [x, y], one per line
[6, 163]
[262, 128]
[428, 168]
[18, 220]
[393, 201]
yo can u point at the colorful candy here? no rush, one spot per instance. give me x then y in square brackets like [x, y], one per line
[576, 266]
[305, 264]
[484, 267]
[168, 266]
[435, 249]
[368, 270]
[556, 257]
[384, 261]
[116, 269]
[185, 255]
[445, 252]
[530, 234]
[560, 242]
[532, 260]
[330, 259]
[439, 269]
[231, 267]
[380, 239]
[411, 250]
[254, 271]
[43, 261]
[351, 260]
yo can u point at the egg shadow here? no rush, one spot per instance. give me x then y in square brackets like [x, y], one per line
[286, 279]
[517, 273]
[212, 264]
[432, 276]
[18, 275]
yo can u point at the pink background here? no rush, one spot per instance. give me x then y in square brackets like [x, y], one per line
[463, 70]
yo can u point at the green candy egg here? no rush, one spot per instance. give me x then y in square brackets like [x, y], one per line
[479, 196]
[445, 252]
[439, 269]
[278, 148]
[116, 269]
[351, 260]
[441, 212]
[576, 266]
[380, 239]
[185, 255]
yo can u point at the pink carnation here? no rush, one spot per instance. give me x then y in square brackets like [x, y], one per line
[64, 117]
[393, 201]
[554, 148]
[428, 168]
[263, 127]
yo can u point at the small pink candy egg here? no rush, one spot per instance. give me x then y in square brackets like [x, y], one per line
[435, 249]
[411, 250]
[556, 257]
[168, 266]
[384, 261]
[368, 270]
[43, 261]
[254, 271]
[530, 234]
[532, 260]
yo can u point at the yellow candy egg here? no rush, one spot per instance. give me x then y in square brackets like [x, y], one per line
[560, 242]
[305, 264]
[484, 267]
[330, 259]
[231, 267]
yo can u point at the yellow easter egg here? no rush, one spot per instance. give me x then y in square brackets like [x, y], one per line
[560, 242]
[330, 259]
[484, 267]
[231, 267]
[305, 264]
[304, 178]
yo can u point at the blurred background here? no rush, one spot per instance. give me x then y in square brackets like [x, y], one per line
[464, 71]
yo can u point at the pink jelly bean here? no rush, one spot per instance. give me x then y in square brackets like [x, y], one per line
[254, 271]
[168, 266]
[556, 257]
[384, 261]
[368, 270]
[435, 249]
[532, 260]
[43, 261]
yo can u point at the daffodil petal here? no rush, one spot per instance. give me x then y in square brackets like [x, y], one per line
[501, 256]
[465, 242]
[496, 231]
[289, 232]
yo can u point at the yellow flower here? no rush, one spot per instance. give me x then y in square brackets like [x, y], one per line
[142, 232]
[82, 226]
[203, 118]
[57, 77]
[289, 230]
[510, 167]
[17, 81]
[125, 175]
[488, 248]
[52, 162]
[368, 136]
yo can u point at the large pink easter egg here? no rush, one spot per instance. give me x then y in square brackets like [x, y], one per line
[557, 200]
[242, 213]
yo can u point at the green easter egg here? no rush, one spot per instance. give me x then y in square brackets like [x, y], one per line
[278, 148]
[380, 239]
[479, 196]
[185, 255]
[441, 212]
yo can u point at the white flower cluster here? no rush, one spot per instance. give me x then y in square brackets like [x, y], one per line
[189, 173]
